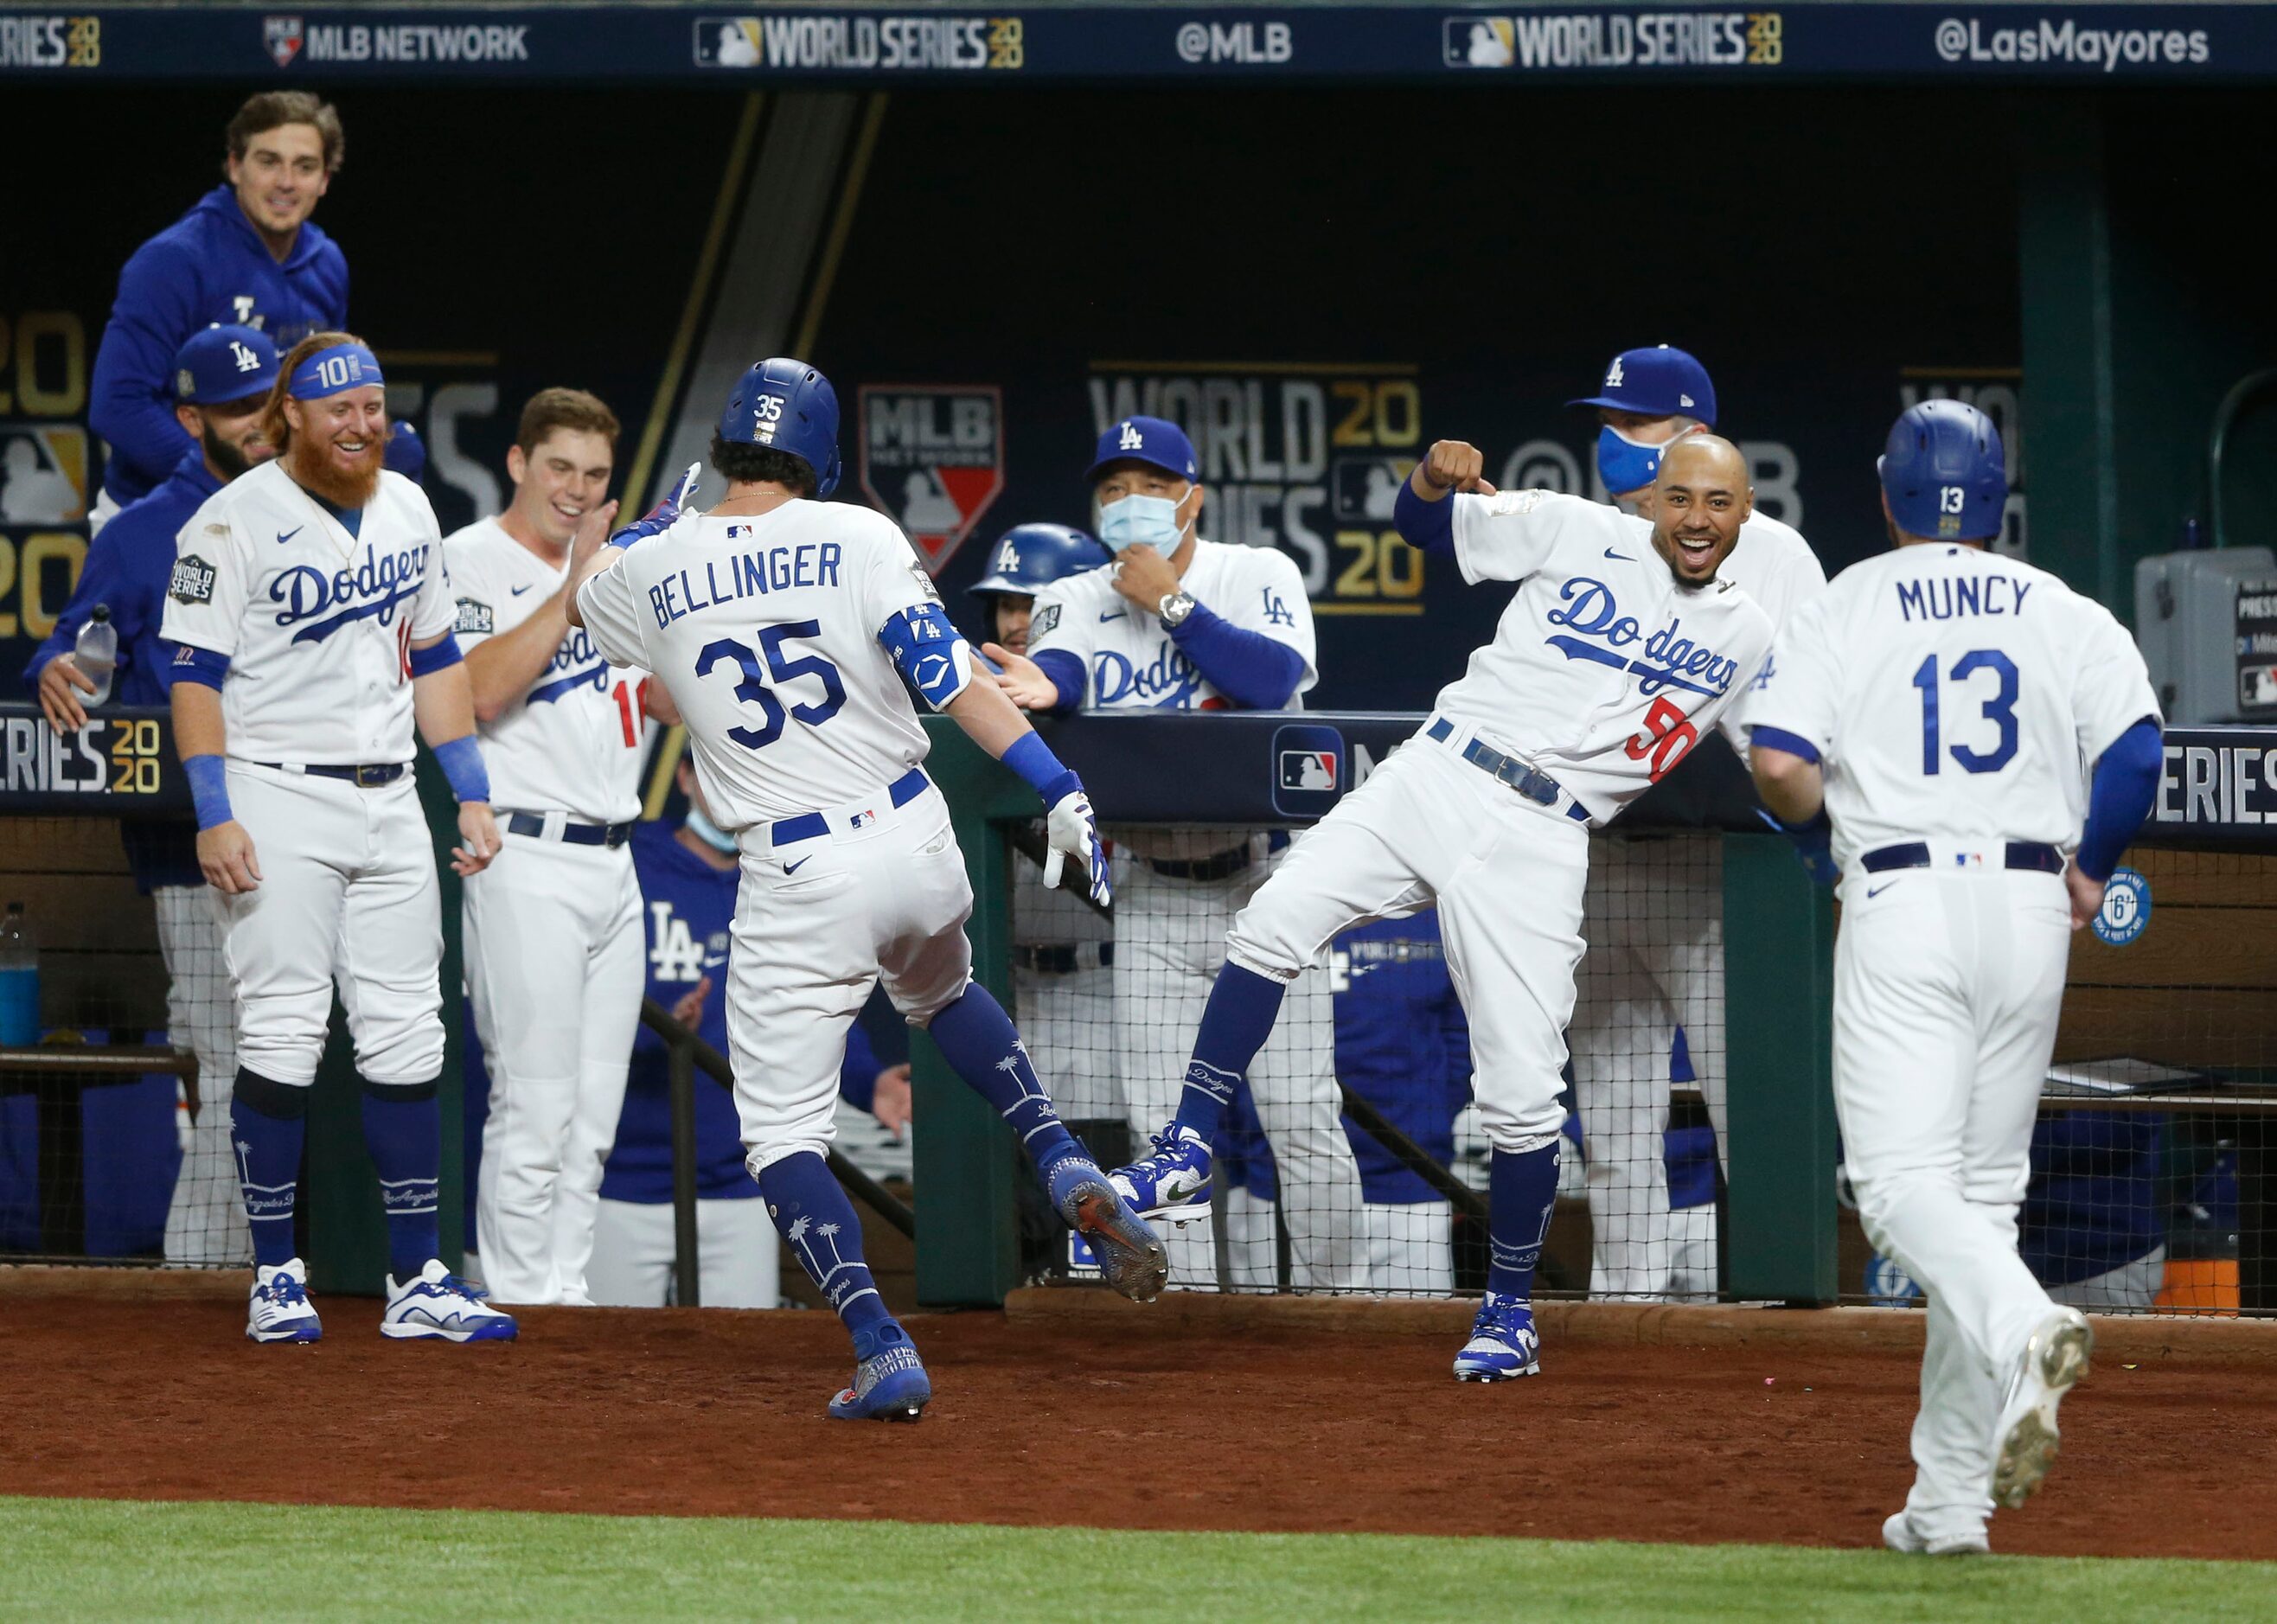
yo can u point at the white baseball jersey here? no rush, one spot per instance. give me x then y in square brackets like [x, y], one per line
[765, 632]
[1131, 662]
[1953, 695]
[1774, 565]
[317, 624]
[1604, 667]
[572, 743]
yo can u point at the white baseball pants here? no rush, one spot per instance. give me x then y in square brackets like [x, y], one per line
[1947, 986]
[1171, 936]
[1654, 917]
[818, 925]
[738, 1254]
[1067, 1020]
[347, 897]
[553, 956]
[205, 1219]
[1411, 1249]
[1507, 875]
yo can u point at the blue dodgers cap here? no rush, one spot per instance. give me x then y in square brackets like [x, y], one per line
[224, 363]
[332, 371]
[1659, 382]
[1155, 441]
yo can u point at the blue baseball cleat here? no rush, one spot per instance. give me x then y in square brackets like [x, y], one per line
[1172, 1184]
[1503, 1344]
[280, 1310]
[1131, 1256]
[889, 1379]
[435, 1303]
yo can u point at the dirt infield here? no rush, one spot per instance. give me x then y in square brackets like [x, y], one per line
[1050, 1416]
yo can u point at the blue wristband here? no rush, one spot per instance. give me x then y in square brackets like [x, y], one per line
[208, 777]
[461, 760]
[1033, 759]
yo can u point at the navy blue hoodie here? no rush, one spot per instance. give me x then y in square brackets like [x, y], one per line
[208, 266]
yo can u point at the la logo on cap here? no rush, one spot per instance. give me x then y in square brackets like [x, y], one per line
[247, 360]
[1133, 440]
[1614, 374]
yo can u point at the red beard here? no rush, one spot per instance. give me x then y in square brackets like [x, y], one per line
[312, 468]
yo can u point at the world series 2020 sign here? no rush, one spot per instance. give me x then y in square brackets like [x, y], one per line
[932, 457]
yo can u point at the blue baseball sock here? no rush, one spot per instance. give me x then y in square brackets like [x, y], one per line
[1522, 1190]
[976, 1037]
[269, 1123]
[1243, 1006]
[814, 1215]
[403, 1131]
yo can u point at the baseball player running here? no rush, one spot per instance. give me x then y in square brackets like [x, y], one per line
[1062, 951]
[314, 617]
[1943, 707]
[1619, 646]
[1182, 623]
[221, 381]
[784, 628]
[553, 926]
[1655, 905]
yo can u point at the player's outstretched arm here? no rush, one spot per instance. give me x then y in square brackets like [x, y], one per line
[1422, 514]
[590, 553]
[443, 703]
[992, 720]
[225, 854]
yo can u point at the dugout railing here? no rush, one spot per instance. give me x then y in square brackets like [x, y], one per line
[2195, 1011]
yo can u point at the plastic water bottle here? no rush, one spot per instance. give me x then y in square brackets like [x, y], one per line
[96, 653]
[19, 980]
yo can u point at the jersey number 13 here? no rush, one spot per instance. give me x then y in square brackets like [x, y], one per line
[2001, 710]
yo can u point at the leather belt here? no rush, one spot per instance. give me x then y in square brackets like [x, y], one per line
[1065, 958]
[2027, 854]
[533, 825]
[373, 776]
[1531, 783]
[806, 826]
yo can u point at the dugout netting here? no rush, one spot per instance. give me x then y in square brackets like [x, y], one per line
[2148, 1191]
[119, 1046]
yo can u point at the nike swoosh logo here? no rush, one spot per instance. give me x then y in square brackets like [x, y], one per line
[1624, 557]
[288, 534]
[517, 591]
[1877, 890]
[792, 868]
[1116, 616]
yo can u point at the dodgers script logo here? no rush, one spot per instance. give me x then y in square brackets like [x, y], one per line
[1170, 682]
[369, 591]
[1669, 661]
[580, 660]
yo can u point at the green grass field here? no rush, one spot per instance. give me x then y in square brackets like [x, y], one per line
[108, 1558]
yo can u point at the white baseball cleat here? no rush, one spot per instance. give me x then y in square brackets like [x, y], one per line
[1898, 1534]
[280, 1310]
[435, 1302]
[2053, 1362]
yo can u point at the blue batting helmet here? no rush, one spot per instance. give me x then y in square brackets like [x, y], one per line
[788, 405]
[1031, 557]
[1944, 474]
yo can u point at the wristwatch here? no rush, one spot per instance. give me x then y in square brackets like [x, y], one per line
[1174, 608]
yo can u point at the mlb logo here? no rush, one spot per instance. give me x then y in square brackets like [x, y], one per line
[728, 43]
[282, 35]
[1968, 859]
[1308, 770]
[862, 820]
[1367, 488]
[44, 476]
[1479, 41]
[932, 457]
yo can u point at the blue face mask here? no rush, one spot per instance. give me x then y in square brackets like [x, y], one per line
[1152, 521]
[710, 832]
[1625, 465]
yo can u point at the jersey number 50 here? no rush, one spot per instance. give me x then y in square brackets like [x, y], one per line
[752, 688]
[2001, 710]
[1667, 737]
